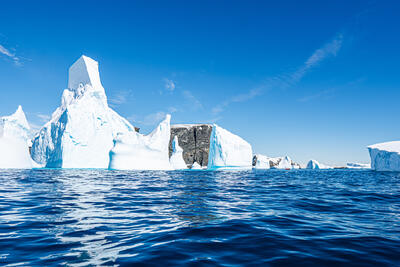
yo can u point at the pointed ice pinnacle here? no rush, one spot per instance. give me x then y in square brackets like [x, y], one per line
[84, 71]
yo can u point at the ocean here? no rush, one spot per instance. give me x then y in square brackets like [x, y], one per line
[51, 217]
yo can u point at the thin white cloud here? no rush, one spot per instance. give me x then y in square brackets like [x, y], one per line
[43, 117]
[194, 102]
[121, 97]
[288, 79]
[152, 118]
[324, 93]
[10, 55]
[169, 85]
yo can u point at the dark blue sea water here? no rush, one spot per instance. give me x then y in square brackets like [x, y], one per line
[200, 218]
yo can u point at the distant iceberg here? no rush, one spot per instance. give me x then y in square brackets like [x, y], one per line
[358, 166]
[228, 150]
[81, 131]
[176, 158]
[315, 165]
[264, 162]
[385, 156]
[14, 139]
[135, 151]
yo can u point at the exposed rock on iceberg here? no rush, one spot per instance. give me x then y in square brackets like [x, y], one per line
[81, 131]
[228, 150]
[315, 165]
[358, 166]
[134, 151]
[194, 140]
[385, 156]
[176, 158]
[14, 135]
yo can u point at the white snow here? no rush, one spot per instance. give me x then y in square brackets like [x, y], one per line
[228, 150]
[285, 163]
[358, 165]
[196, 166]
[134, 151]
[315, 165]
[176, 159]
[263, 162]
[385, 156]
[81, 131]
[14, 136]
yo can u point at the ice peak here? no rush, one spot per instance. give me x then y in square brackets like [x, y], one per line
[19, 117]
[84, 71]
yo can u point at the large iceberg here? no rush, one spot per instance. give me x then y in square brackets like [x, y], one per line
[81, 131]
[315, 165]
[135, 151]
[228, 150]
[14, 138]
[176, 158]
[385, 156]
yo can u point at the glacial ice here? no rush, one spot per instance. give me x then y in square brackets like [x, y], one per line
[228, 150]
[385, 156]
[14, 138]
[196, 166]
[315, 165]
[262, 162]
[285, 163]
[135, 151]
[358, 165]
[176, 159]
[81, 131]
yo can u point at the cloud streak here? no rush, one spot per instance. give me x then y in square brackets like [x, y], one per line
[237, 99]
[194, 102]
[10, 55]
[169, 85]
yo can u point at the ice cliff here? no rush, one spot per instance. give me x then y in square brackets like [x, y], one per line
[228, 150]
[135, 151]
[385, 156]
[81, 131]
[176, 158]
[315, 165]
[14, 138]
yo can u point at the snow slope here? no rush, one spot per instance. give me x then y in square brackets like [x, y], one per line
[228, 150]
[14, 137]
[134, 151]
[176, 159]
[315, 165]
[81, 131]
[385, 156]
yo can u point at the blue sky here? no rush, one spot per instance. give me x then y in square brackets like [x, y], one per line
[308, 79]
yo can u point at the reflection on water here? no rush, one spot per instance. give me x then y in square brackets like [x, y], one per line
[98, 217]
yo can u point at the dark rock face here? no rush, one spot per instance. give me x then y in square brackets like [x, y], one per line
[194, 140]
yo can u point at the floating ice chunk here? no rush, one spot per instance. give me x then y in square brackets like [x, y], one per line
[196, 166]
[134, 151]
[385, 156]
[14, 136]
[358, 166]
[315, 165]
[285, 163]
[228, 150]
[81, 131]
[176, 159]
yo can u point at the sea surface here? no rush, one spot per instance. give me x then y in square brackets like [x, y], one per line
[199, 218]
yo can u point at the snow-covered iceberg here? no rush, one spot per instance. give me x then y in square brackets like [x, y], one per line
[135, 151]
[14, 136]
[358, 165]
[81, 131]
[385, 156]
[265, 162]
[176, 158]
[315, 165]
[262, 162]
[228, 150]
[285, 163]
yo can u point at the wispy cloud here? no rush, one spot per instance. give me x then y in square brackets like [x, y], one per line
[287, 79]
[327, 93]
[169, 85]
[6, 52]
[152, 118]
[194, 102]
[119, 98]
[43, 117]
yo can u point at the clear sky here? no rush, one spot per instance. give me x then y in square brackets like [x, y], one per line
[308, 79]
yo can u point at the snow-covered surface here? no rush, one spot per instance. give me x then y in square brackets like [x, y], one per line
[228, 150]
[176, 159]
[358, 165]
[81, 131]
[14, 136]
[262, 162]
[196, 166]
[134, 151]
[315, 165]
[285, 163]
[385, 156]
[188, 125]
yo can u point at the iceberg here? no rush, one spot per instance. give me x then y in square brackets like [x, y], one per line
[315, 165]
[135, 151]
[196, 166]
[358, 166]
[385, 156]
[285, 163]
[176, 158]
[14, 139]
[228, 150]
[81, 131]
[261, 162]
[265, 162]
